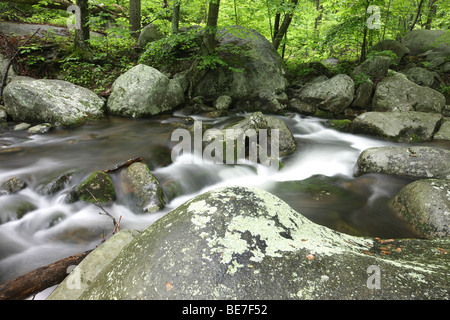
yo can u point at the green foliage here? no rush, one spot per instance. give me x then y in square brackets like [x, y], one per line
[170, 52]
[360, 78]
[177, 52]
[385, 53]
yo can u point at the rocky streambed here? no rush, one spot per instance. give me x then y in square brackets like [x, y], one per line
[367, 190]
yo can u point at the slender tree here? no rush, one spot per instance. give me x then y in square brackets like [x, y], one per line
[135, 16]
[82, 35]
[176, 16]
[209, 38]
[419, 11]
[280, 32]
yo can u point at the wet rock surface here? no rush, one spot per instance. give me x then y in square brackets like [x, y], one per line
[244, 243]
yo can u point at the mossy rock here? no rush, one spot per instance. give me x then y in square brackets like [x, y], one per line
[101, 187]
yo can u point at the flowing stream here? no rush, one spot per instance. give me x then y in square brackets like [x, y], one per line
[52, 229]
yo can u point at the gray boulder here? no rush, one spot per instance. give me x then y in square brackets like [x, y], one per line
[11, 74]
[58, 102]
[332, 95]
[363, 94]
[223, 102]
[262, 75]
[143, 91]
[422, 40]
[425, 204]
[98, 187]
[144, 193]
[241, 243]
[416, 162]
[395, 46]
[375, 67]
[148, 34]
[407, 126]
[420, 76]
[286, 143]
[3, 114]
[397, 93]
[81, 276]
[444, 131]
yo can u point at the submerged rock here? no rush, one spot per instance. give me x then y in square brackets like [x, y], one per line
[425, 204]
[404, 126]
[417, 162]
[12, 185]
[55, 101]
[144, 91]
[242, 243]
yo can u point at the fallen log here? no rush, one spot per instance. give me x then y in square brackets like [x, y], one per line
[40, 279]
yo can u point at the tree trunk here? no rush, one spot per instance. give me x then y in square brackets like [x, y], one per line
[431, 13]
[64, 4]
[195, 75]
[135, 17]
[284, 26]
[82, 35]
[40, 279]
[419, 9]
[209, 38]
[176, 17]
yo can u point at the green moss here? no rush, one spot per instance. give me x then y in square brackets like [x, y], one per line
[340, 124]
[101, 187]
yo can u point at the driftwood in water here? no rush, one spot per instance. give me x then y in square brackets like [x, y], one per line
[122, 165]
[40, 279]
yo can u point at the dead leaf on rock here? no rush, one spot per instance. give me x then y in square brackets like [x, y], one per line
[169, 286]
[310, 257]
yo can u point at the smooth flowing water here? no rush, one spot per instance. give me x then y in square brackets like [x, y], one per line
[52, 229]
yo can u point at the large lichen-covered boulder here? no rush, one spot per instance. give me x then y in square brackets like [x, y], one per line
[425, 204]
[407, 126]
[333, 95]
[143, 193]
[397, 93]
[242, 243]
[58, 102]
[144, 91]
[421, 76]
[395, 46]
[416, 162]
[422, 40]
[262, 72]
